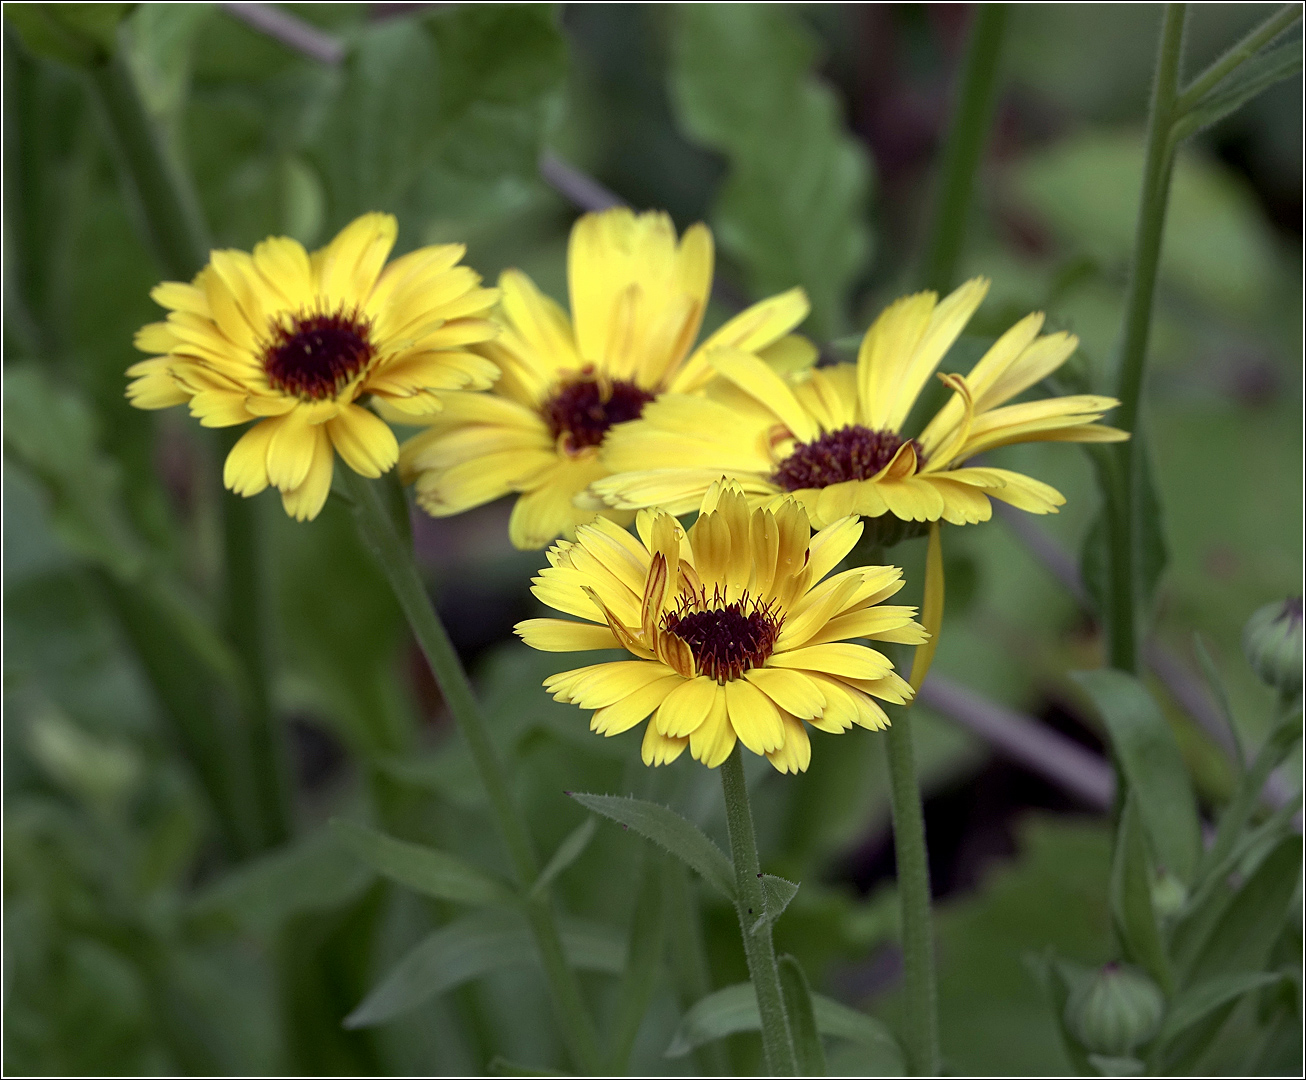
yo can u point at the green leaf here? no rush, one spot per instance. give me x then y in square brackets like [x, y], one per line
[1245, 83]
[793, 210]
[568, 852]
[471, 947]
[1154, 769]
[734, 1008]
[665, 827]
[1131, 898]
[1216, 685]
[1244, 935]
[425, 869]
[802, 1017]
[79, 34]
[502, 1066]
[777, 892]
[1197, 1002]
[313, 875]
[1116, 1066]
[1059, 980]
[644, 967]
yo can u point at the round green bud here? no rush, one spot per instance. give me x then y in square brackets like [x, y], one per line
[1114, 1010]
[1272, 642]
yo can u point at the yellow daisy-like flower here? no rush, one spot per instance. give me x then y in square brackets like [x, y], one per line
[295, 341]
[737, 631]
[832, 437]
[637, 302]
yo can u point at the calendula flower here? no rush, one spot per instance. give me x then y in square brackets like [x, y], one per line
[298, 341]
[637, 302]
[833, 437]
[735, 630]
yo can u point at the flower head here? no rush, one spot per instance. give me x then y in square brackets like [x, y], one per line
[637, 302]
[296, 341]
[735, 629]
[833, 436]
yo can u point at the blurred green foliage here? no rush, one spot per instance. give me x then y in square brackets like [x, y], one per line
[138, 940]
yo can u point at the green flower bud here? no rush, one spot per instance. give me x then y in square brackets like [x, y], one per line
[1114, 1010]
[1272, 642]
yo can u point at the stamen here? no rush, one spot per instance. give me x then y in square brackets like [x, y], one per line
[850, 453]
[582, 410]
[315, 356]
[725, 639]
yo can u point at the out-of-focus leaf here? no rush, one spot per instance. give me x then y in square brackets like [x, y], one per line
[777, 892]
[568, 852]
[472, 947]
[1149, 755]
[802, 1017]
[794, 207]
[1131, 897]
[427, 870]
[312, 875]
[1060, 980]
[1197, 1002]
[1216, 685]
[644, 967]
[1116, 1066]
[734, 1008]
[79, 34]
[1254, 919]
[102, 772]
[665, 827]
[1257, 74]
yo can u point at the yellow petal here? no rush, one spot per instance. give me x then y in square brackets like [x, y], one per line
[714, 739]
[839, 658]
[932, 610]
[364, 440]
[598, 685]
[757, 379]
[657, 749]
[305, 502]
[796, 753]
[351, 263]
[625, 714]
[246, 469]
[687, 706]
[754, 717]
[793, 691]
[563, 635]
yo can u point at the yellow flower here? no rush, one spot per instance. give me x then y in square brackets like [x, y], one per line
[295, 341]
[637, 301]
[736, 630]
[832, 437]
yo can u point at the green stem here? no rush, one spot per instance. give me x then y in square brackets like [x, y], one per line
[964, 147]
[921, 1022]
[395, 557]
[1209, 79]
[169, 214]
[750, 904]
[1122, 617]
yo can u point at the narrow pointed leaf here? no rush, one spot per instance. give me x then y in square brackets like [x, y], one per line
[1200, 1000]
[665, 827]
[427, 870]
[778, 892]
[1149, 755]
[1059, 979]
[646, 949]
[568, 852]
[1258, 74]
[1131, 898]
[802, 1018]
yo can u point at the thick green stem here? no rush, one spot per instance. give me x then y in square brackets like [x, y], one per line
[1121, 508]
[168, 212]
[750, 904]
[395, 557]
[964, 147]
[921, 1008]
[1209, 79]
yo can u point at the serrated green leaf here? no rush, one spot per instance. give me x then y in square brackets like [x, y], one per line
[777, 892]
[427, 870]
[472, 947]
[1197, 1002]
[1131, 898]
[312, 875]
[1153, 766]
[793, 210]
[1246, 82]
[734, 1008]
[1248, 927]
[802, 1017]
[665, 827]
[571, 849]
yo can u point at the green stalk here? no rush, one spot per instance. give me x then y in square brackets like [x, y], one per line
[921, 996]
[1121, 508]
[168, 211]
[750, 905]
[395, 557]
[1250, 45]
[964, 147]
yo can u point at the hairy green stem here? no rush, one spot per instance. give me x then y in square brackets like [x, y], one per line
[1121, 504]
[168, 211]
[964, 147]
[395, 557]
[1248, 47]
[750, 904]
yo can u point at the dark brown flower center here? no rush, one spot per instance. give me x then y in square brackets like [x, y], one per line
[581, 411]
[851, 453]
[316, 355]
[726, 639]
